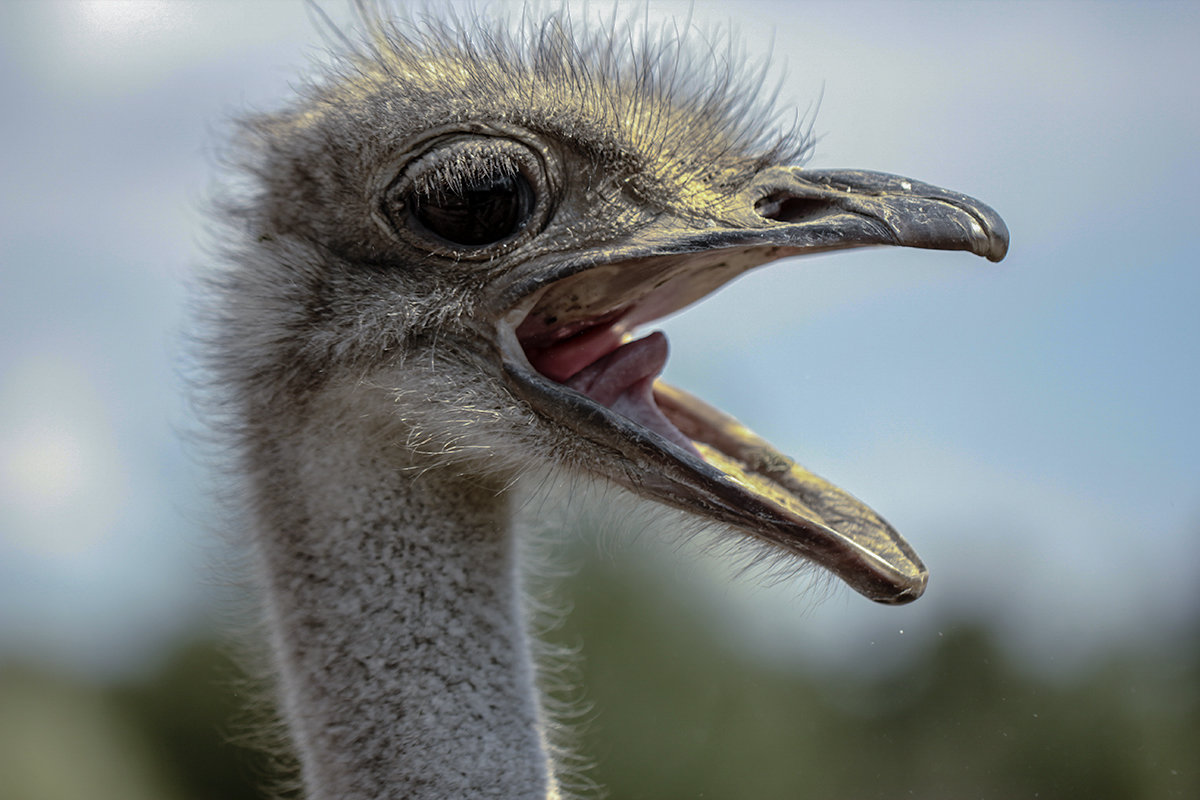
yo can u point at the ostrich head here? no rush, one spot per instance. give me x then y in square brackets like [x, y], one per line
[457, 232]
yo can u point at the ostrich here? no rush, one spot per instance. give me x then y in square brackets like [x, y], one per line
[436, 264]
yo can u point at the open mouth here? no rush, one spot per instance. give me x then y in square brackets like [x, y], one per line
[569, 348]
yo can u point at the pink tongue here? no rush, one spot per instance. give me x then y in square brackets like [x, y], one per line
[563, 359]
[624, 381]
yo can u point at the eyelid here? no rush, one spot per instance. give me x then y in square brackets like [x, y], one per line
[454, 174]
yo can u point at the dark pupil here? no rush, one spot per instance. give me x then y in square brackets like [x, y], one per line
[486, 211]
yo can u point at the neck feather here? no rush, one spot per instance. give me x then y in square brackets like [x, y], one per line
[395, 610]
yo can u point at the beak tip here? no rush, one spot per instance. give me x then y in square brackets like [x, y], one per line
[904, 592]
[991, 234]
[997, 242]
[903, 598]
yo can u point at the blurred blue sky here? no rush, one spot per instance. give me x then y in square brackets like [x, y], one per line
[1030, 426]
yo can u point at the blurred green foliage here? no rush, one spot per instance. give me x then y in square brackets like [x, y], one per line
[166, 737]
[679, 715]
[675, 714]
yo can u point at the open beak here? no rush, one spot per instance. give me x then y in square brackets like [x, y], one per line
[567, 349]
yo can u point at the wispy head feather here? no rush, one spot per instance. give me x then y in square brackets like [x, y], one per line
[689, 101]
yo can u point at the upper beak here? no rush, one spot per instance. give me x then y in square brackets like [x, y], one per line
[830, 209]
[670, 264]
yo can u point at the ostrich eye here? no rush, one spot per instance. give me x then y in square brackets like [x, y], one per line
[478, 212]
[471, 196]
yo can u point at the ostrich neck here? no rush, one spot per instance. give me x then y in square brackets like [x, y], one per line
[395, 611]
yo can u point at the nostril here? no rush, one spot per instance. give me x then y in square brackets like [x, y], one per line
[784, 207]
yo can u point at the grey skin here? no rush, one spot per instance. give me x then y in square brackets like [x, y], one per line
[449, 205]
